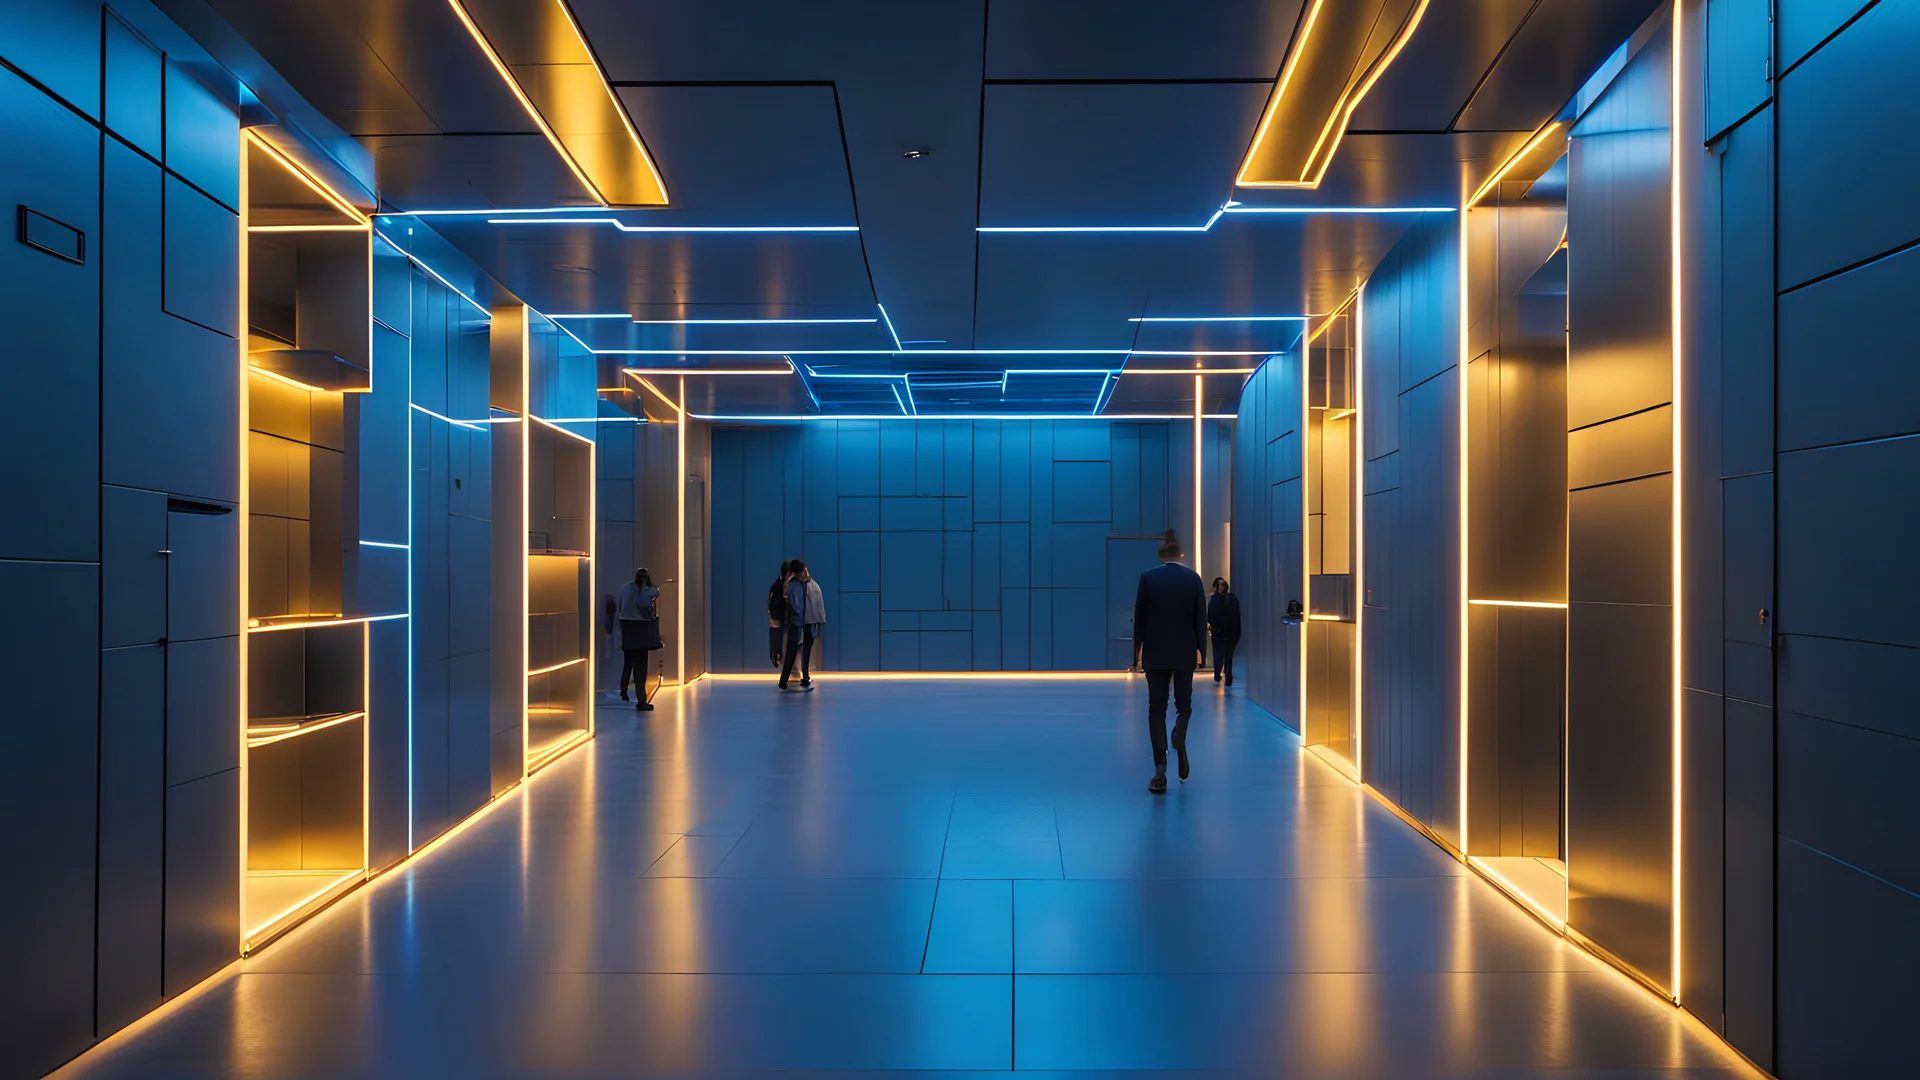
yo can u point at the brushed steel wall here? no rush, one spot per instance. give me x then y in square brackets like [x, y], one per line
[1620, 518]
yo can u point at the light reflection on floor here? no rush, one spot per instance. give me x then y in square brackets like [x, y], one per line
[896, 877]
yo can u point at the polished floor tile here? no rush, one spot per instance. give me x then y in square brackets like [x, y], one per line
[902, 878]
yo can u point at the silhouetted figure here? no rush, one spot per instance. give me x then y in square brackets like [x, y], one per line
[637, 607]
[777, 614]
[1169, 642]
[814, 617]
[799, 634]
[1223, 620]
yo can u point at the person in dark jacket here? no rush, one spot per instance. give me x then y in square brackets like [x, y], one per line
[637, 606]
[799, 633]
[1169, 642]
[1223, 620]
[777, 614]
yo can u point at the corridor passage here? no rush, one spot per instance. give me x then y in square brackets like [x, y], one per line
[901, 876]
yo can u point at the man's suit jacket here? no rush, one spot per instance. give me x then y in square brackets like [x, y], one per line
[1170, 617]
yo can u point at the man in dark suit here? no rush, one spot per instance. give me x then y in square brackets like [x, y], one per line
[1169, 641]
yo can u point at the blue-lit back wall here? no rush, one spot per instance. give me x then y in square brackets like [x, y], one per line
[989, 545]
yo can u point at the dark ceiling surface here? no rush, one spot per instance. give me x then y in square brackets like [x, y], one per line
[1103, 134]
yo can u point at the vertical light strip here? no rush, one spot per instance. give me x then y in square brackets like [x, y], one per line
[366, 747]
[1306, 527]
[1465, 720]
[1679, 425]
[526, 518]
[412, 658]
[246, 531]
[680, 564]
[1199, 549]
[1357, 457]
[593, 569]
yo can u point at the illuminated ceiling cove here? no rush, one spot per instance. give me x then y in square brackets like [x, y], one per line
[940, 208]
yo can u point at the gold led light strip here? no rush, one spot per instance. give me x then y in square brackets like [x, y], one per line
[1507, 166]
[360, 220]
[562, 666]
[282, 736]
[635, 190]
[1336, 51]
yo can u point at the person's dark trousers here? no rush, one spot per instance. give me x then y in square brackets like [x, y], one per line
[634, 669]
[1223, 657]
[799, 644]
[775, 636]
[1158, 680]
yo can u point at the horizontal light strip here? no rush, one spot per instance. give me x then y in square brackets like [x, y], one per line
[625, 228]
[255, 369]
[383, 544]
[557, 667]
[811, 418]
[1220, 318]
[1519, 603]
[1507, 886]
[1217, 215]
[554, 426]
[937, 676]
[475, 425]
[260, 931]
[1188, 371]
[307, 624]
[719, 322]
[305, 228]
[895, 352]
[308, 729]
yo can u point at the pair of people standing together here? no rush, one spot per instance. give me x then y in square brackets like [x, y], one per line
[1171, 617]
[796, 615]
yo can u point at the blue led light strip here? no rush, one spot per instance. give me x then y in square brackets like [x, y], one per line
[626, 228]
[1231, 208]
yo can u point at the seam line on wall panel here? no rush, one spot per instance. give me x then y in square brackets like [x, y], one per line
[1747, 475]
[1622, 416]
[1851, 267]
[1840, 446]
[1856, 869]
[1493, 64]
[1622, 480]
[1823, 42]
[979, 175]
[1843, 723]
[1734, 125]
[1783, 635]
[1407, 390]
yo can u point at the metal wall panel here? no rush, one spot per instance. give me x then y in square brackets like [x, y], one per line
[132, 93]
[203, 132]
[203, 573]
[203, 708]
[50, 308]
[1845, 369]
[200, 257]
[57, 43]
[133, 545]
[49, 660]
[1824, 118]
[161, 375]
[202, 928]
[989, 514]
[132, 833]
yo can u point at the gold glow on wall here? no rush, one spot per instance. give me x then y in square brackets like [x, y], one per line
[1342, 49]
[540, 53]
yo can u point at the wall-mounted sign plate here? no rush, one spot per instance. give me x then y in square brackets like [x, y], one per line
[56, 238]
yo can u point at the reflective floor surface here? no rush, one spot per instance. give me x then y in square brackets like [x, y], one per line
[896, 877]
